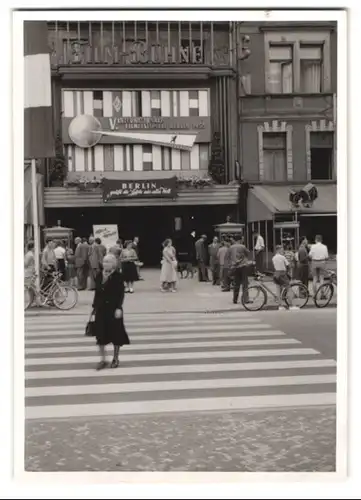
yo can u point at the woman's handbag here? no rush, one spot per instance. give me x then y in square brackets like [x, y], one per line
[90, 326]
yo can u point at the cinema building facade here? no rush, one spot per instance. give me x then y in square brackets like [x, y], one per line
[146, 122]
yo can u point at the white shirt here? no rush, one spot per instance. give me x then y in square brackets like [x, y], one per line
[280, 262]
[318, 252]
[60, 252]
[259, 243]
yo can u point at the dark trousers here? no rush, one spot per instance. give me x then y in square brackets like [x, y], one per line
[259, 261]
[226, 279]
[92, 275]
[303, 270]
[202, 271]
[82, 275]
[215, 273]
[61, 268]
[240, 278]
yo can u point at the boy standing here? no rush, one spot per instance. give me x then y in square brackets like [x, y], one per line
[280, 276]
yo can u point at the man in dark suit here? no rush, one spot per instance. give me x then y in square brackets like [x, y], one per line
[101, 249]
[82, 262]
[201, 257]
[214, 260]
[95, 261]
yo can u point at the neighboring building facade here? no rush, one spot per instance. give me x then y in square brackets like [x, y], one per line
[129, 98]
[287, 118]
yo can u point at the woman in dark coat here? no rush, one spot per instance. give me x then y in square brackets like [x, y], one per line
[108, 309]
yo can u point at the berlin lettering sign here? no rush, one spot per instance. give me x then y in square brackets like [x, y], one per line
[157, 188]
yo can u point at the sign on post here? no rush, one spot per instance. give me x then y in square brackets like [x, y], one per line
[108, 233]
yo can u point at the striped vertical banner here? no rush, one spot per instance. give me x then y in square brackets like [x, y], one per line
[38, 118]
[97, 103]
[147, 158]
[117, 103]
[155, 103]
[136, 157]
[146, 105]
[193, 102]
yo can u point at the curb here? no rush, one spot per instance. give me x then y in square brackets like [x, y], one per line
[203, 311]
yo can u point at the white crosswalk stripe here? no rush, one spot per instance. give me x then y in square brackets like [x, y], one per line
[176, 362]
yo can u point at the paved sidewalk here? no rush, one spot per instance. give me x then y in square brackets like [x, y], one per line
[294, 440]
[191, 296]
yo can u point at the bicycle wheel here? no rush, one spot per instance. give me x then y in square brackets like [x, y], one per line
[257, 298]
[65, 297]
[296, 295]
[324, 295]
[29, 297]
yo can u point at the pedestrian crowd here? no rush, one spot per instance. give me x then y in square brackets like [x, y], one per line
[81, 264]
[231, 263]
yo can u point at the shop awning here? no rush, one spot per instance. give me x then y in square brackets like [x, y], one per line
[266, 200]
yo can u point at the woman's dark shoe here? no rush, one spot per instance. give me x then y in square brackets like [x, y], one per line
[101, 365]
[115, 363]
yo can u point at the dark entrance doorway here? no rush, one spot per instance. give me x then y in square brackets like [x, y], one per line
[152, 224]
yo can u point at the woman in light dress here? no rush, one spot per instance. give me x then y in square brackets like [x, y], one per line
[128, 258]
[168, 274]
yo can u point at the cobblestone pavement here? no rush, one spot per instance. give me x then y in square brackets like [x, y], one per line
[292, 440]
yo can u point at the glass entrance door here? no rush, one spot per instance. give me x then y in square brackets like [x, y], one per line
[287, 234]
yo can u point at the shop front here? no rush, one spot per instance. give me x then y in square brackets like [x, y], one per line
[271, 213]
[151, 210]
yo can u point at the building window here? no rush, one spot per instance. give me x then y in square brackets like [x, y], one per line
[321, 155]
[311, 61]
[281, 69]
[298, 61]
[274, 157]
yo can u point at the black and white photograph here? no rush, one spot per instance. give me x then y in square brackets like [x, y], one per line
[180, 241]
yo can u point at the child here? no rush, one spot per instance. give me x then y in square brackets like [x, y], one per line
[280, 277]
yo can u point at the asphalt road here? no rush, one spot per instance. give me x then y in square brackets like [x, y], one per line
[315, 328]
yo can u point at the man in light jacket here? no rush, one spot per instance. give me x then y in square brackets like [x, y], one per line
[259, 252]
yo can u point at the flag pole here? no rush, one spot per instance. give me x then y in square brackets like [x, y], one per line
[35, 224]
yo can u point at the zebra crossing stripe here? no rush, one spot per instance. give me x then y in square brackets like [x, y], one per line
[160, 346]
[180, 405]
[179, 385]
[66, 339]
[145, 329]
[180, 369]
[180, 356]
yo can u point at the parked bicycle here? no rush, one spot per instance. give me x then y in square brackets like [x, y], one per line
[296, 294]
[326, 291]
[56, 292]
